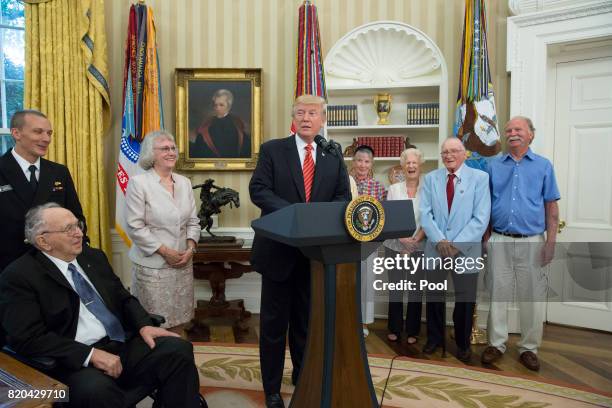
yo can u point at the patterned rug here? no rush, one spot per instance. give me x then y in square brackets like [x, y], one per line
[230, 377]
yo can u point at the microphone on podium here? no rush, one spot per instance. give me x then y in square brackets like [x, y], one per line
[329, 147]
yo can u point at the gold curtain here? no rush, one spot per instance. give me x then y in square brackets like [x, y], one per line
[66, 78]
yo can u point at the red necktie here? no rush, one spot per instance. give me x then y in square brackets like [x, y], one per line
[450, 190]
[308, 171]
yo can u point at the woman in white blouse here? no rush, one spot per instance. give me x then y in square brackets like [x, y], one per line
[164, 227]
[411, 161]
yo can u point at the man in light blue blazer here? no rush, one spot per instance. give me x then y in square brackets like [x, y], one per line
[455, 206]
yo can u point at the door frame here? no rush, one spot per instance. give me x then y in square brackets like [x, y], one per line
[533, 41]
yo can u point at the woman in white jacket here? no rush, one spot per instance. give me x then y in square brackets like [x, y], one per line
[164, 228]
[411, 161]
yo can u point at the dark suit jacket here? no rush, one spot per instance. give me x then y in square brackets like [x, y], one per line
[39, 310]
[278, 182]
[16, 198]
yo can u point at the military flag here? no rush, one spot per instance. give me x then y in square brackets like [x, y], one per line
[309, 75]
[475, 115]
[142, 102]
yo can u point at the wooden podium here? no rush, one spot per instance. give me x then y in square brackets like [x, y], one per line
[335, 371]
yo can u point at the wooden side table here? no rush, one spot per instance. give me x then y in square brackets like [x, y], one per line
[35, 379]
[217, 263]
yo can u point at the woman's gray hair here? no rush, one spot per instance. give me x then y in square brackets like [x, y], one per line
[227, 94]
[34, 221]
[146, 160]
[414, 151]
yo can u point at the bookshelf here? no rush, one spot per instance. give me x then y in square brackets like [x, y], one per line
[398, 59]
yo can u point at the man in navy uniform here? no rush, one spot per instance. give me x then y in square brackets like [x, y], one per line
[28, 180]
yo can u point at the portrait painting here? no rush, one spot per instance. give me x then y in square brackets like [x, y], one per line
[218, 118]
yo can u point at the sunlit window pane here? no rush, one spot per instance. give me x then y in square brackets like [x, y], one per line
[13, 42]
[12, 64]
[12, 13]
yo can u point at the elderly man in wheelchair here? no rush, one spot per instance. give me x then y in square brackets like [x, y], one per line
[62, 301]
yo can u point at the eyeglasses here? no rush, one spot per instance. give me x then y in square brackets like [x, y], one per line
[166, 149]
[69, 229]
[450, 152]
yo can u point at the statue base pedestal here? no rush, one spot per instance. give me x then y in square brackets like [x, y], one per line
[217, 262]
[221, 241]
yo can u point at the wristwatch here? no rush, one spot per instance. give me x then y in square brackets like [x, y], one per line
[193, 250]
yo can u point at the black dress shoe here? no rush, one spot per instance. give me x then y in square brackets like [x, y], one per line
[464, 355]
[274, 401]
[430, 348]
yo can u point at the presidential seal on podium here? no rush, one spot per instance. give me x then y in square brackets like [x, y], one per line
[364, 218]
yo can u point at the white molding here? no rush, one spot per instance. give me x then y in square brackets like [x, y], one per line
[375, 55]
[531, 39]
[520, 7]
[121, 262]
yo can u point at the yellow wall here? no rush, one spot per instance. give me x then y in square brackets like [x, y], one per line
[263, 34]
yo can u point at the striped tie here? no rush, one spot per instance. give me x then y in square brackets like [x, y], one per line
[308, 171]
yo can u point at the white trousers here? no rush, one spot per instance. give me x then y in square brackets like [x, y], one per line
[516, 262]
[367, 288]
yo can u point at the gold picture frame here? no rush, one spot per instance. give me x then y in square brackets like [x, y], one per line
[218, 118]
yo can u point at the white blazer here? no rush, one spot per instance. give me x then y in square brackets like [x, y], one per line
[398, 191]
[154, 217]
[469, 215]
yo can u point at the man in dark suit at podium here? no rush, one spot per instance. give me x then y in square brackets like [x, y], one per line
[28, 180]
[290, 170]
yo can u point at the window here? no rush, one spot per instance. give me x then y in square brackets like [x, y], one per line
[12, 62]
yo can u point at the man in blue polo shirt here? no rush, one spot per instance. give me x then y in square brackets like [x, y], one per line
[524, 221]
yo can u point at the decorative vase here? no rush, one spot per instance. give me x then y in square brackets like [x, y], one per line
[382, 103]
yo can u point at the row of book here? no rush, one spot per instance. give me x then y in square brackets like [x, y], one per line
[423, 113]
[416, 114]
[342, 115]
[383, 146]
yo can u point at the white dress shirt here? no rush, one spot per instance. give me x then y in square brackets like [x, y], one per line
[89, 328]
[25, 165]
[301, 144]
[457, 174]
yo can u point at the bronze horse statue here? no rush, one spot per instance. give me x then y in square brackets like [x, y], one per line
[212, 201]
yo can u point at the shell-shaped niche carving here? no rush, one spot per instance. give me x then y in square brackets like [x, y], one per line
[381, 54]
